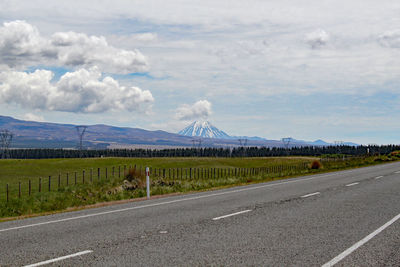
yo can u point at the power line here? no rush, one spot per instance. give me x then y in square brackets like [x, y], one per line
[81, 129]
[286, 141]
[339, 145]
[197, 143]
[5, 138]
[243, 141]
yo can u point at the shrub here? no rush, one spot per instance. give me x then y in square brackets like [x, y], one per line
[315, 165]
[395, 153]
[136, 177]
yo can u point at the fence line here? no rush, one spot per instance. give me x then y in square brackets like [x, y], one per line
[62, 180]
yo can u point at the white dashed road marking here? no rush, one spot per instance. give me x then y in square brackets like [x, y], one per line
[60, 258]
[312, 194]
[229, 215]
[352, 184]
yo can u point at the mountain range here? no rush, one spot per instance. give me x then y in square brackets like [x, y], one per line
[32, 134]
[205, 129]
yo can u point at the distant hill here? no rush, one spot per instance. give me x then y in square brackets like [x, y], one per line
[44, 134]
[32, 134]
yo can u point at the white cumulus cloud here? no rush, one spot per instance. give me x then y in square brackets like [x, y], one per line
[78, 49]
[33, 117]
[21, 44]
[317, 39]
[199, 110]
[390, 39]
[82, 91]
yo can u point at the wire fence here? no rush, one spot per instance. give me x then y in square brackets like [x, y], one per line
[27, 187]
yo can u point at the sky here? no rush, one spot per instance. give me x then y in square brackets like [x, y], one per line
[305, 69]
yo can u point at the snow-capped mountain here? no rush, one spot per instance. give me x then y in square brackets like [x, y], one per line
[204, 129]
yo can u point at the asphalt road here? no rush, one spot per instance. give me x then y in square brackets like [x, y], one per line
[347, 218]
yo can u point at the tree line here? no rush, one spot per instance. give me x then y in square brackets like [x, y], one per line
[203, 152]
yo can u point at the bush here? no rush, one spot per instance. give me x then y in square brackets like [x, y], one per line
[315, 165]
[136, 177]
[395, 154]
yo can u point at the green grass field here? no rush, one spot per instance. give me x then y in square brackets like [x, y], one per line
[13, 171]
[17, 174]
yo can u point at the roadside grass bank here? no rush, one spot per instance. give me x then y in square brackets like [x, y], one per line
[214, 173]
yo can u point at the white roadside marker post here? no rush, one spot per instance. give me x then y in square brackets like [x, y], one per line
[148, 182]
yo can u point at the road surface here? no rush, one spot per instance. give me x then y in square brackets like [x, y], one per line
[346, 218]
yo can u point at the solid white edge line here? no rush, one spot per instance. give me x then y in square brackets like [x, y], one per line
[178, 200]
[352, 184]
[229, 215]
[397, 172]
[348, 251]
[59, 259]
[379, 177]
[312, 194]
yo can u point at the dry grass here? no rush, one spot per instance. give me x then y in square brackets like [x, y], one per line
[316, 165]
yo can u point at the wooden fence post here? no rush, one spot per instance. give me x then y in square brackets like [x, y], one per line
[106, 173]
[67, 179]
[75, 178]
[59, 180]
[91, 175]
[119, 171]
[98, 174]
[7, 192]
[83, 177]
[40, 184]
[49, 183]
[29, 190]
[19, 190]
